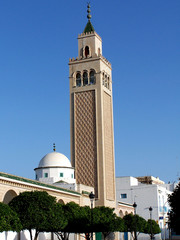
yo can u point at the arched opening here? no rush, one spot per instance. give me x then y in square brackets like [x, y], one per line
[105, 83]
[92, 77]
[61, 201]
[85, 78]
[108, 84]
[9, 196]
[78, 79]
[121, 214]
[86, 51]
[81, 52]
[103, 78]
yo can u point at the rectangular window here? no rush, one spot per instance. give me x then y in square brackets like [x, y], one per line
[123, 195]
[61, 174]
[45, 175]
[72, 176]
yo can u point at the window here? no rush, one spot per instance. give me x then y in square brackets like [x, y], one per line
[61, 174]
[92, 77]
[108, 83]
[103, 79]
[123, 195]
[72, 175]
[46, 175]
[86, 51]
[85, 78]
[78, 79]
[105, 84]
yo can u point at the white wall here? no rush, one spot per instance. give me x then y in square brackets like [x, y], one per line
[24, 235]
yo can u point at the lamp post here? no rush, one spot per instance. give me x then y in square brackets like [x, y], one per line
[135, 232]
[150, 211]
[91, 196]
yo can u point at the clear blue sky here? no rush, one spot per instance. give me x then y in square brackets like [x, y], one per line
[142, 41]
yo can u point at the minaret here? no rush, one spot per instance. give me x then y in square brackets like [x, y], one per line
[91, 114]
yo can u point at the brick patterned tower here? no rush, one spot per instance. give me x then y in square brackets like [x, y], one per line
[91, 114]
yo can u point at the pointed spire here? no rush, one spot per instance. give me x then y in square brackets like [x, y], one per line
[54, 147]
[89, 26]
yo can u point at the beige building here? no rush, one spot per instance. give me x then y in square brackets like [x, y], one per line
[91, 113]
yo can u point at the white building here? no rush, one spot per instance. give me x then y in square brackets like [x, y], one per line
[55, 168]
[150, 192]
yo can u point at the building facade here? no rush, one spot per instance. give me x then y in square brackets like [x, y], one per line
[150, 192]
[11, 186]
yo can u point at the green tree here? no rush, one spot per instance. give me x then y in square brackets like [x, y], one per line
[106, 221]
[134, 224]
[57, 220]
[152, 228]
[174, 216]
[9, 220]
[77, 220]
[34, 210]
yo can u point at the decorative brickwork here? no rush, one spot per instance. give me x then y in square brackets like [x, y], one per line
[85, 138]
[108, 147]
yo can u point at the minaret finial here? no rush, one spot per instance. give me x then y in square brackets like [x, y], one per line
[88, 11]
[54, 147]
[89, 27]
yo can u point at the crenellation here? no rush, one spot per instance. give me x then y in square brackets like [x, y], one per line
[89, 34]
[106, 61]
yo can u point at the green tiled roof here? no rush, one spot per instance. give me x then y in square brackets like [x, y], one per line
[89, 27]
[25, 180]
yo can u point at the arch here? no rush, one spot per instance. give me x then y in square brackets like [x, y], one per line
[108, 83]
[61, 201]
[85, 78]
[78, 79]
[103, 78]
[92, 77]
[81, 52]
[126, 213]
[105, 81]
[9, 196]
[86, 51]
[121, 214]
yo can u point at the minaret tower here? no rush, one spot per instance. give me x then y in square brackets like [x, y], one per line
[91, 114]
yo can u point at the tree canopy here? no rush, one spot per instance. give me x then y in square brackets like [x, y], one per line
[134, 224]
[86, 220]
[34, 210]
[76, 219]
[152, 228]
[9, 220]
[106, 221]
[174, 200]
[39, 211]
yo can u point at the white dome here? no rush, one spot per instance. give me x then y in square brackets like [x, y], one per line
[54, 159]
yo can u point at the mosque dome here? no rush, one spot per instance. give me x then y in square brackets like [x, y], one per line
[54, 159]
